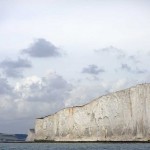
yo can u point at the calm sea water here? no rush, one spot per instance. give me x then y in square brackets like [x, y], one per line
[74, 146]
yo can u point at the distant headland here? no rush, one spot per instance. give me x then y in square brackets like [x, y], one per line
[12, 137]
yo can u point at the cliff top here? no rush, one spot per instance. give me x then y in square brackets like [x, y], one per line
[143, 84]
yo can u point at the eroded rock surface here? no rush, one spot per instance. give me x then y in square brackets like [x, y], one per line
[119, 116]
[31, 135]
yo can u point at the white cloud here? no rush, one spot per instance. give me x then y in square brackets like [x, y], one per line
[33, 97]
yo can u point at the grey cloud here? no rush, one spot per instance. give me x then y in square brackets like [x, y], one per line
[42, 48]
[129, 69]
[14, 68]
[13, 73]
[92, 69]
[112, 50]
[134, 59]
[141, 71]
[126, 67]
[5, 88]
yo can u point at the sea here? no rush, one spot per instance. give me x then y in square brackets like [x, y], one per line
[74, 146]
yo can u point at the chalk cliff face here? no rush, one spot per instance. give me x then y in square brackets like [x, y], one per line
[31, 135]
[119, 116]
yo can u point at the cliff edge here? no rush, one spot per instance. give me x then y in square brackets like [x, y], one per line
[120, 116]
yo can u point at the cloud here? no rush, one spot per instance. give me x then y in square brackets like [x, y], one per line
[134, 59]
[5, 88]
[126, 67]
[42, 48]
[112, 51]
[49, 91]
[52, 88]
[92, 69]
[136, 70]
[14, 68]
[141, 71]
[131, 63]
[33, 97]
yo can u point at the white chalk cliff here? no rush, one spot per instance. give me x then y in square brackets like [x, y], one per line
[120, 116]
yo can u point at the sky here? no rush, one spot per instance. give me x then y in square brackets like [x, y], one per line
[63, 53]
